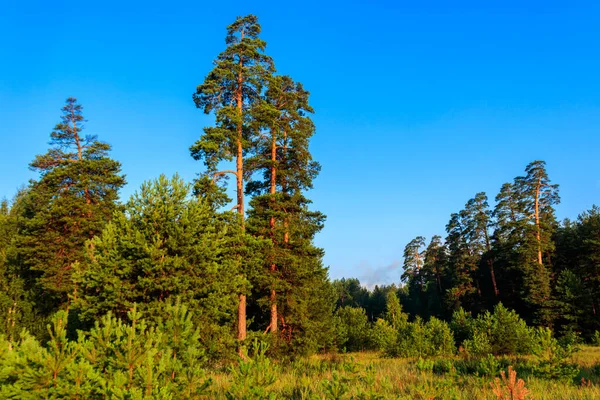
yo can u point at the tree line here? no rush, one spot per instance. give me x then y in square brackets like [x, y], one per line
[515, 253]
[68, 245]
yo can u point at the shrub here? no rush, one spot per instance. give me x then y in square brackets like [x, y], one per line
[500, 332]
[253, 375]
[424, 365]
[384, 336]
[115, 359]
[510, 388]
[352, 329]
[489, 366]
[553, 357]
[478, 346]
[461, 325]
[443, 366]
[440, 338]
[419, 339]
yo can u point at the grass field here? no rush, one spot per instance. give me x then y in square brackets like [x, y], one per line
[367, 375]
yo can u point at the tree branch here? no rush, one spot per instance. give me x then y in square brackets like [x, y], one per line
[219, 173]
[228, 171]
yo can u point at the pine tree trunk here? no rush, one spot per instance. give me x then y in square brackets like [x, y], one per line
[491, 261]
[240, 194]
[493, 275]
[273, 297]
[86, 191]
[242, 318]
[537, 220]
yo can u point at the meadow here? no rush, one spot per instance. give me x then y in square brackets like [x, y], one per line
[370, 375]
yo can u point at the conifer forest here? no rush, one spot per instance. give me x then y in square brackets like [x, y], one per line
[215, 288]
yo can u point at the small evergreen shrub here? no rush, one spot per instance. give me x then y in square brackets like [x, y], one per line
[115, 359]
[461, 325]
[352, 329]
[500, 332]
[553, 357]
[384, 336]
[422, 339]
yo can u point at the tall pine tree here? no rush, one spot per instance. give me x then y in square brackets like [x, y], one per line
[76, 194]
[282, 157]
[229, 91]
[525, 225]
[284, 170]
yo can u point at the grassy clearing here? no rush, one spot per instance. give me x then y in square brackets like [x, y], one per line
[367, 375]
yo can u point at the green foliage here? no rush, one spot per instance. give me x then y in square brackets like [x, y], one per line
[424, 365]
[461, 325]
[384, 335]
[166, 245]
[74, 197]
[335, 388]
[478, 345]
[500, 332]
[351, 329]
[16, 297]
[553, 357]
[489, 366]
[419, 339]
[253, 375]
[114, 360]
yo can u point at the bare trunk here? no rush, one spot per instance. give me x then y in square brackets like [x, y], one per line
[273, 188]
[491, 261]
[273, 311]
[286, 236]
[537, 220]
[242, 317]
[493, 275]
[240, 194]
[88, 199]
[76, 136]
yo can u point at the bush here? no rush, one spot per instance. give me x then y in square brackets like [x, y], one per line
[440, 337]
[384, 336]
[419, 339]
[478, 346]
[553, 357]
[500, 332]
[352, 329]
[253, 375]
[461, 325]
[114, 360]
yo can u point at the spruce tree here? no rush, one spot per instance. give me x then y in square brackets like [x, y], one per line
[75, 195]
[229, 91]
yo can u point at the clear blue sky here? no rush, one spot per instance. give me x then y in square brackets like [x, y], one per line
[417, 107]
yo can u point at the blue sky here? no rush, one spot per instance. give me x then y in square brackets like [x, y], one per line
[418, 107]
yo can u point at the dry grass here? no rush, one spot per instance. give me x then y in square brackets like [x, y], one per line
[367, 375]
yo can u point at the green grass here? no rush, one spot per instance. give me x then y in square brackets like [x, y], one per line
[367, 375]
